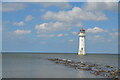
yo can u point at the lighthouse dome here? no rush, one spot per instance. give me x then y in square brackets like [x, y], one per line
[82, 29]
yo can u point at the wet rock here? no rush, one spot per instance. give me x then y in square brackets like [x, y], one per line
[106, 71]
[86, 68]
[109, 66]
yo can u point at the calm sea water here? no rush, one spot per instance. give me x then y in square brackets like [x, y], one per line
[37, 65]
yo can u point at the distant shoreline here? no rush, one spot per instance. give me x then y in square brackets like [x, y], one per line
[55, 53]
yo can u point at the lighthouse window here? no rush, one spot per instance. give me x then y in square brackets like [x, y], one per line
[81, 48]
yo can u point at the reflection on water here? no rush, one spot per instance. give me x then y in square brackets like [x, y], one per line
[37, 65]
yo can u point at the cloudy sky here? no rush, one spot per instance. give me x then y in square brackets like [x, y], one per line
[53, 27]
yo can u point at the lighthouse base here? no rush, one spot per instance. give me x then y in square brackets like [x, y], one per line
[81, 53]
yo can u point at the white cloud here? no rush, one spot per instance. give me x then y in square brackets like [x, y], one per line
[74, 33]
[71, 40]
[56, 26]
[44, 30]
[96, 30]
[29, 18]
[99, 37]
[107, 36]
[114, 34]
[8, 7]
[102, 0]
[99, 6]
[60, 0]
[35, 0]
[42, 10]
[21, 32]
[79, 25]
[60, 35]
[21, 23]
[76, 14]
[45, 35]
[96, 38]
[52, 35]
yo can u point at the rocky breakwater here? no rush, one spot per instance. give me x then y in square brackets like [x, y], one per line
[105, 71]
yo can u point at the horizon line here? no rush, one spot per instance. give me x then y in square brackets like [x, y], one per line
[58, 52]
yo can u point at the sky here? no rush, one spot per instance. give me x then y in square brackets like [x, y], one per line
[60, 0]
[49, 27]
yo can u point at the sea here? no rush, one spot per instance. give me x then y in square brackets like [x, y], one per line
[36, 65]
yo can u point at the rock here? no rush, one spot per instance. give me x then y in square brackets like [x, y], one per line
[96, 73]
[64, 59]
[109, 66]
[107, 71]
[86, 68]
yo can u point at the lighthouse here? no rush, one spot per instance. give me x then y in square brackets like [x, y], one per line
[81, 50]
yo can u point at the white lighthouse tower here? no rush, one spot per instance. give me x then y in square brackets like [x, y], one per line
[81, 50]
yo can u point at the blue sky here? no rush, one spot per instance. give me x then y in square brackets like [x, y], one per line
[53, 27]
